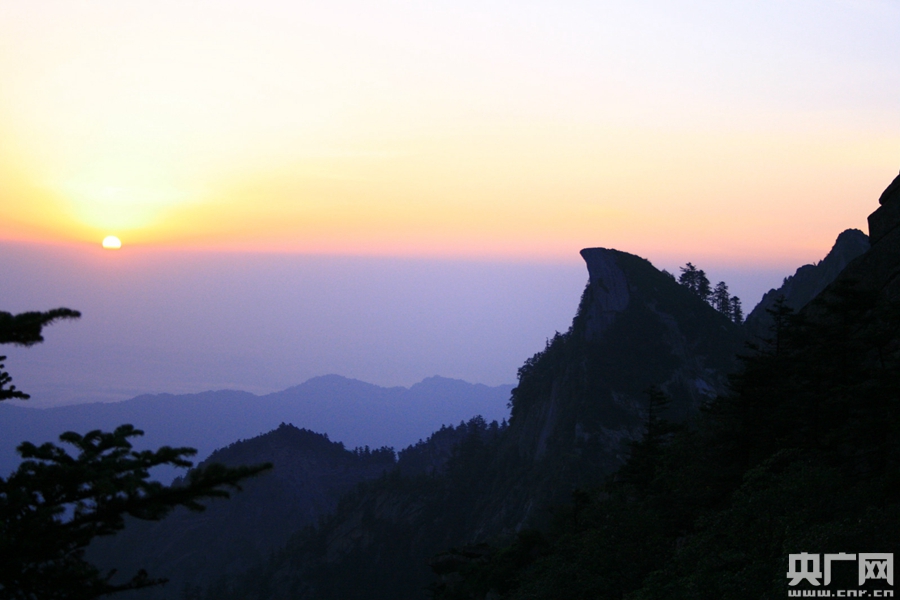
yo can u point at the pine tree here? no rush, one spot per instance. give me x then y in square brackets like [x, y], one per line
[57, 502]
[736, 313]
[703, 288]
[24, 329]
[695, 280]
[688, 277]
[721, 299]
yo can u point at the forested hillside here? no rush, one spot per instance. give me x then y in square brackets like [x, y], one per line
[578, 404]
[310, 473]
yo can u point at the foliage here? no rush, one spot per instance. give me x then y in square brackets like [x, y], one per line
[24, 329]
[737, 311]
[695, 280]
[55, 503]
[719, 298]
[400, 521]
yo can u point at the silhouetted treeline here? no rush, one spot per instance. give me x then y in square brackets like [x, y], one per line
[719, 298]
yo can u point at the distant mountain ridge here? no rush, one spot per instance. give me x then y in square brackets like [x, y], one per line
[351, 411]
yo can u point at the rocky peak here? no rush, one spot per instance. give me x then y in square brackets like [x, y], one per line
[887, 217]
[809, 280]
[608, 288]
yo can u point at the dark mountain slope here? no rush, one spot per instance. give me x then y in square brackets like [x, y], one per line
[310, 474]
[801, 455]
[584, 397]
[577, 405]
[808, 281]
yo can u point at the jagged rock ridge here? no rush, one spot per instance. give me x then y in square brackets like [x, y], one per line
[887, 217]
[808, 281]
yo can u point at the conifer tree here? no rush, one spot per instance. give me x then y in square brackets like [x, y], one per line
[695, 280]
[736, 312]
[55, 503]
[721, 299]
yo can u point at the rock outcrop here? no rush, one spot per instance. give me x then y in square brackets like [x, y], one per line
[887, 217]
[808, 281]
[878, 271]
[608, 288]
[577, 405]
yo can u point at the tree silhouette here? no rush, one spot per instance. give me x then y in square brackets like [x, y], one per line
[695, 280]
[24, 329]
[736, 313]
[721, 299]
[55, 503]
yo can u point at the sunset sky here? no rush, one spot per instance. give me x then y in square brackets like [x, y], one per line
[431, 169]
[744, 131]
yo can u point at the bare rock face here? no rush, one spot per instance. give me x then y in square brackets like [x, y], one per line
[887, 217]
[878, 270]
[608, 287]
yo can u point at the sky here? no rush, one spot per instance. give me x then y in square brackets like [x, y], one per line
[452, 152]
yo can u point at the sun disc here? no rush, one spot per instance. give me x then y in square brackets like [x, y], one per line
[111, 242]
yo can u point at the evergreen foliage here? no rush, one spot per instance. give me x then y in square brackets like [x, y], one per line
[407, 518]
[24, 329]
[55, 503]
[695, 280]
[737, 312]
[719, 298]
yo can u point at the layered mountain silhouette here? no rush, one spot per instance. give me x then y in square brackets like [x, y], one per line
[353, 524]
[351, 411]
[310, 473]
[578, 404]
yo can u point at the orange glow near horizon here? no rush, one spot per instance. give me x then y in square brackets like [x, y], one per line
[383, 134]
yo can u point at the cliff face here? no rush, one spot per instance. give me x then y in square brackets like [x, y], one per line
[636, 327]
[608, 291]
[878, 271]
[887, 217]
[808, 281]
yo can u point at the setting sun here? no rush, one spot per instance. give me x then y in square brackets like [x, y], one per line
[111, 242]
